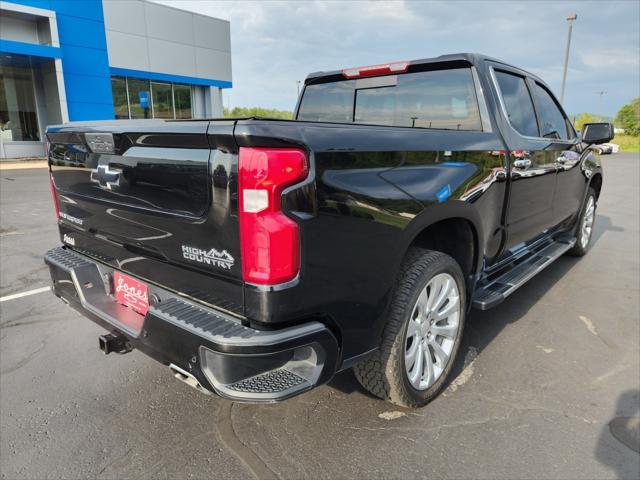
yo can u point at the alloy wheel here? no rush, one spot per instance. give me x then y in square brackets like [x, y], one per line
[432, 331]
[587, 222]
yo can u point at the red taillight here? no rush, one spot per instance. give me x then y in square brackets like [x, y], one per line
[386, 68]
[53, 193]
[270, 240]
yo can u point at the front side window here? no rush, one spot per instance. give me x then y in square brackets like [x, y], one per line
[518, 104]
[443, 99]
[554, 124]
[18, 118]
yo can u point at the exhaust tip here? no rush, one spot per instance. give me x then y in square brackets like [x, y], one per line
[114, 342]
[188, 378]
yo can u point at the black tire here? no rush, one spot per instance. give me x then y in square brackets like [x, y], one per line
[580, 249]
[383, 373]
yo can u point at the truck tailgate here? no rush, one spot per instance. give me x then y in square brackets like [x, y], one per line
[162, 205]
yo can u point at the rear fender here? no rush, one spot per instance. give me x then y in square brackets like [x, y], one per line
[447, 211]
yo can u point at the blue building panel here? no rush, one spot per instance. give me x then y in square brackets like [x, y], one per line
[167, 77]
[83, 88]
[83, 42]
[79, 111]
[82, 32]
[29, 49]
[83, 48]
[84, 61]
[89, 9]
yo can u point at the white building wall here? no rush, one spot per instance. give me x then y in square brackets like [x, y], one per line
[146, 36]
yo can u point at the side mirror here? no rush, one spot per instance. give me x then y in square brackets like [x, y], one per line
[593, 133]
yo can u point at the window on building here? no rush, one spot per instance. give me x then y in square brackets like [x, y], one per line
[120, 102]
[554, 124]
[434, 99]
[182, 101]
[150, 99]
[18, 117]
[139, 98]
[518, 104]
[162, 97]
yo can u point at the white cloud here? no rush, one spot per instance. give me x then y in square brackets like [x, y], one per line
[612, 59]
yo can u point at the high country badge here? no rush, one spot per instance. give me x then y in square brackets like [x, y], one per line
[211, 257]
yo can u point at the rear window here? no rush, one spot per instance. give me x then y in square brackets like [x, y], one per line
[443, 99]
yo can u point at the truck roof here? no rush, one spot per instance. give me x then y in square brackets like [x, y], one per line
[469, 58]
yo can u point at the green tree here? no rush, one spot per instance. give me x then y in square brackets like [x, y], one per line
[629, 118]
[239, 112]
[583, 118]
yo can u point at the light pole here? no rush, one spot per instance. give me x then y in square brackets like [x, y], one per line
[298, 86]
[570, 19]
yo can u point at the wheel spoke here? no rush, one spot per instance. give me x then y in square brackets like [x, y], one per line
[410, 355]
[448, 309]
[422, 304]
[435, 285]
[412, 329]
[443, 294]
[441, 356]
[429, 374]
[416, 374]
[448, 330]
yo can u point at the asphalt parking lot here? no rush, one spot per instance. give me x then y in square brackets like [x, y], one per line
[541, 387]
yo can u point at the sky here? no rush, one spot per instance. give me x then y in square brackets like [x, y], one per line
[274, 44]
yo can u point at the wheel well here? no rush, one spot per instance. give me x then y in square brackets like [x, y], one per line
[456, 237]
[596, 184]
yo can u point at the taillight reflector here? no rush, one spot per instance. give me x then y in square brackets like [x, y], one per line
[372, 70]
[53, 193]
[270, 241]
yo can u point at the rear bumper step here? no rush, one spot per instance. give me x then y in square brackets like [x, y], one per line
[213, 351]
[501, 287]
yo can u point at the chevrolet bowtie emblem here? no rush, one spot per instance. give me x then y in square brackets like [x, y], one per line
[105, 177]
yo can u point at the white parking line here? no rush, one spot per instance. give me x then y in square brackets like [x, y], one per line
[24, 294]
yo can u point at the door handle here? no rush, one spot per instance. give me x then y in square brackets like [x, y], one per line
[522, 163]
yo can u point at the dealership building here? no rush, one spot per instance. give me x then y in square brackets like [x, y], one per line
[68, 60]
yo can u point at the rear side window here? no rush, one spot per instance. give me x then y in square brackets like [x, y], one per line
[518, 104]
[554, 124]
[444, 99]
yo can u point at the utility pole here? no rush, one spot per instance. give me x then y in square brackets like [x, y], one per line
[601, 93]
[570, 19]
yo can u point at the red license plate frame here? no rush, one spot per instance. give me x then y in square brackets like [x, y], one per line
[131, 293]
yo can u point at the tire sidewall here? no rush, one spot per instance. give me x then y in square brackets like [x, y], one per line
[445, 265]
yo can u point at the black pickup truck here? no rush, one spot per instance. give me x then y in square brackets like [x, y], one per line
[256, 258]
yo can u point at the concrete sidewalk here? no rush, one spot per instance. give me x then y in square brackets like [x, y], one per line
[19, 164]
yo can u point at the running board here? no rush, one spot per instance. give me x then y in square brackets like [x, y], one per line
[495, 292]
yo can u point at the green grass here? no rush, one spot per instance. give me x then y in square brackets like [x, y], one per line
[627, 143]
[258, 112]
